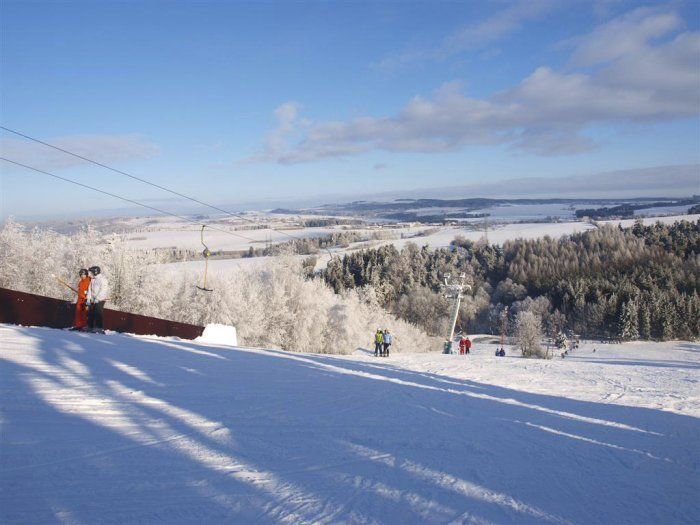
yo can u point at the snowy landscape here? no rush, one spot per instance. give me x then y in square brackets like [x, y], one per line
[242, 244]
[125, 429]
[171, 234]
[141, 429]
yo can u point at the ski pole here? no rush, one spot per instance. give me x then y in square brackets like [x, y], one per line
[64, 283]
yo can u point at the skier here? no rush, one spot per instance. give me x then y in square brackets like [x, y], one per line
[378, 343]
[467, 345]
[463, 345]
[98, 294]
[80, 320]
[387, 342]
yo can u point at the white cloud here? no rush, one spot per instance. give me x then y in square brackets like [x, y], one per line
[627, 35]
[106, 149]
[646, 72]
[286, 116]
[497, 26]
[475, 36]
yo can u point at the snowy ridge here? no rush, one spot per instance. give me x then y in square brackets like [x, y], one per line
[125, 429]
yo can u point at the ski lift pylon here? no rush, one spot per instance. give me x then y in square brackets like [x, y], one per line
[205, 253]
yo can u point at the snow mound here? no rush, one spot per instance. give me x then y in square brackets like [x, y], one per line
[219, 334]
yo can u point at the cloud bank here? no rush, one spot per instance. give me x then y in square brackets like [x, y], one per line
[659, 181]
[638, 68]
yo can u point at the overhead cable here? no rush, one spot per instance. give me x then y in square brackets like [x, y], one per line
[126, 199]
[144, 181]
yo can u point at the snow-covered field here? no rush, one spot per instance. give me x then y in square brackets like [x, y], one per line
[124, 429]
[498, 233]
[185, 236]
[189, 237]
[439, 238]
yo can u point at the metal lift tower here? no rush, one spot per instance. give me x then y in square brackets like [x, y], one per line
[453, 290]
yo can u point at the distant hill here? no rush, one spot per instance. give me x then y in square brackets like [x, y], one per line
[446, 209]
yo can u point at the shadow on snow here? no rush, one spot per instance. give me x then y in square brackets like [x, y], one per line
[174, 432]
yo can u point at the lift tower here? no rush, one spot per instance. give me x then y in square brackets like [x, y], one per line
[453, 290]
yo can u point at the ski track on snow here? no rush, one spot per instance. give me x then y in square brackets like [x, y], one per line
[122, 429]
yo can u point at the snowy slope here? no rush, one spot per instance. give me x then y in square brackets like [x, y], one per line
[120, 429]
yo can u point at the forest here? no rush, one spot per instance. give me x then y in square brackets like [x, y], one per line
[607, 283]
[628, 209]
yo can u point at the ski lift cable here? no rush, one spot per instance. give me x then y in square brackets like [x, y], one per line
[105, 166]
[124, 198]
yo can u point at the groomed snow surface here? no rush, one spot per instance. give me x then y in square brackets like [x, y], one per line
[120, 429]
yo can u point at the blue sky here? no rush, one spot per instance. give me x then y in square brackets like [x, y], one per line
[268, 101]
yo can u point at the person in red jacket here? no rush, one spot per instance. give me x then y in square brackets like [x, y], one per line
[463, 345]
[80, 320]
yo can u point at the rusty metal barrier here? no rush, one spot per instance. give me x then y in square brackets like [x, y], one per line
[28, 309]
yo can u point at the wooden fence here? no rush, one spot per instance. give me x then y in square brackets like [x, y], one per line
[27, 309]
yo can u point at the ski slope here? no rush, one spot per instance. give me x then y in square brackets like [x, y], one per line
[124, 429]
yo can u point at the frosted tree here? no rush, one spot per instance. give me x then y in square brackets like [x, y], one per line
[277, 307]
[12, 252]
[628, 321]
[425, 308]
[529, 334]
[556, 322]
[508, 291]
[644, 320]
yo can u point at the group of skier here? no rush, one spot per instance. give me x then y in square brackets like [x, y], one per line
[465, 345]
[382, 342]
[93, 293]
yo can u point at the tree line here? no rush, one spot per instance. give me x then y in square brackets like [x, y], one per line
[628, 209]
[635, 283]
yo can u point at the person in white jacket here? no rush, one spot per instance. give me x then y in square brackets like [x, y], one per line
[98, 294]
[387, 342]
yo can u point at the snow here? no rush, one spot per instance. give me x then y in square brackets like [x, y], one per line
[439, 237]
[218, 240]
[218, 334]
[647, 221]
[498, 228]
[125, 429]
[524, 212]
[498, 233]
[663, 210]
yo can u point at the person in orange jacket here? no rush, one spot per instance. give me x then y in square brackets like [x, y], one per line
[80, 320]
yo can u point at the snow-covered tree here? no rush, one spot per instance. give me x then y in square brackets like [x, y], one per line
[628, 320]
[529, 334]
[644, 320]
